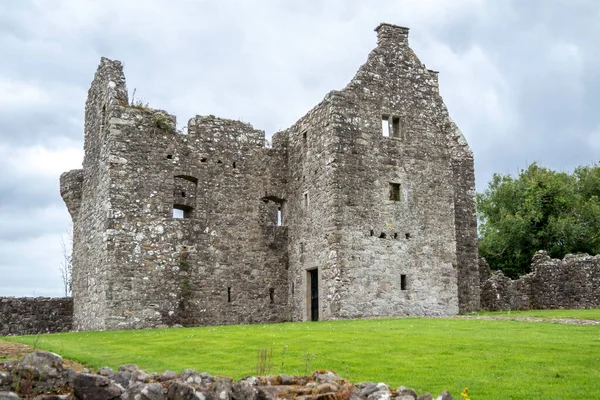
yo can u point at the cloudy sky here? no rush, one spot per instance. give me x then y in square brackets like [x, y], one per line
[521, 79]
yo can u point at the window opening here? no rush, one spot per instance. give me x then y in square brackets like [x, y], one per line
[169, 156]
[182, 194]
[372, 232]
[407, 235]
[279, 217]
[396, 127]
[301, 247]
[272, 295]
[394, 191]
[403, 282]
[234, 165]
[219, 162]
[382, 235]
[395, 235]
[304, 137]
[385, 126]
[203, 159]
[306, 200]
[182, 211]
[229, 295]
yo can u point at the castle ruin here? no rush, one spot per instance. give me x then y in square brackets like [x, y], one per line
[363, 208]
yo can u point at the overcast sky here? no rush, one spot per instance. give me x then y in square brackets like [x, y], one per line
[520, 78]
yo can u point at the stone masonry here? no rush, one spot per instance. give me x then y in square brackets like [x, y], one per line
[573, 282]
[33, 315]
[363, 208]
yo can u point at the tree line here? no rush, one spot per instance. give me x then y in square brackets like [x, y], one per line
[540, 209]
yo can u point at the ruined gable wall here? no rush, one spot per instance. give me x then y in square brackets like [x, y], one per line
[226, 261]
[394, 83]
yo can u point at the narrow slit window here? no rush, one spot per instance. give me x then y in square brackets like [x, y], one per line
[229, 295]
[385, 126]
[402, 282]
[279, 217]
[234, 165]
[271, 295]
[372, 232]
[394, 191]
[301, 247]
[396, 127]
[304, 137]
[306, 200]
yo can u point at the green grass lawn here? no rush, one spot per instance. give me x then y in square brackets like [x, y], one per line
[495, 359]
[593, 313]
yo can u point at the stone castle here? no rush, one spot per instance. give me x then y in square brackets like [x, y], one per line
[363, 208]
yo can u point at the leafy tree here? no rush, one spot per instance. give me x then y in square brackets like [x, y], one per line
[540, 209]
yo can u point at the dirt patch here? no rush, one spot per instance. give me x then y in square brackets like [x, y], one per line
[16, 351]
[567, 321]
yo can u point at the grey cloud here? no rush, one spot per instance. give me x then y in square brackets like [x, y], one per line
[268, 62]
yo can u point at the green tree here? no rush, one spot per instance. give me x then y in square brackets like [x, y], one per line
[540, 209]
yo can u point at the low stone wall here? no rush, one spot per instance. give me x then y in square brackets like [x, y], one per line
[41, 375]
[573, 282]
[31, 315]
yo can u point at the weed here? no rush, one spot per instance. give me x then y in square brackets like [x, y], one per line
[308, 357]
[264, 362]
[162, 122]
[465, 394]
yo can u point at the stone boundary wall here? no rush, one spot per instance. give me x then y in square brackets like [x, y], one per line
[573, 282]
[32, 315]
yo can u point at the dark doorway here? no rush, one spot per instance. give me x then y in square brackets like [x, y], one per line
[313, 284]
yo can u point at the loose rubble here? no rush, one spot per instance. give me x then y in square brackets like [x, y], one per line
[40, 375]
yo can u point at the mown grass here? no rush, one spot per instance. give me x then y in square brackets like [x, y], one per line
[593, 313]
[495, 359]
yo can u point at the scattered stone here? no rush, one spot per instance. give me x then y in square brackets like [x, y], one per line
[181, 391]
[9, 396]
[445, 396]
[201, 380]
[404, 391]
[167, 376]
[426, 396]
[95, 387]
[223, 389]
[106, 371]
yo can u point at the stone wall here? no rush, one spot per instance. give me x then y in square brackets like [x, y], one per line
[573, 282]
[32, 315]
